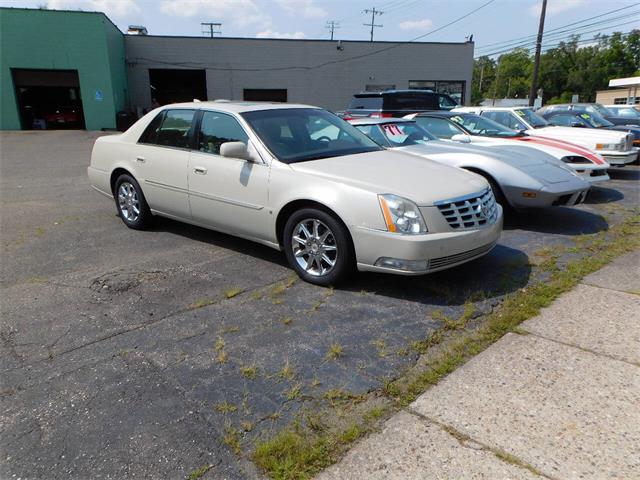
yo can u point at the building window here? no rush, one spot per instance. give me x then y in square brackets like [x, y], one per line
[453, 88]
[265, 95]
[623, 100]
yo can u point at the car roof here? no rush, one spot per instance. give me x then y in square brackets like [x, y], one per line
[442, 113]
[236, 106]
[473, 109]
[379, 121]
[391, 92]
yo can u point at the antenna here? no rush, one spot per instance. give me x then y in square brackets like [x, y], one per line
[211, 29]
[373, 13]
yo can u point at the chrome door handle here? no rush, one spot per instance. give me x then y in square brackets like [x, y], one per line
[141, 159]
[200, 170]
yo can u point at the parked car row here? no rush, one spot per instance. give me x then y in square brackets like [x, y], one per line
[368, 192]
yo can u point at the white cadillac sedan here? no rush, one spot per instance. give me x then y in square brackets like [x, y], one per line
[298, 179]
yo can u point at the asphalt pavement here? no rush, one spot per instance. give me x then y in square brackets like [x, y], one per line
[152, 354]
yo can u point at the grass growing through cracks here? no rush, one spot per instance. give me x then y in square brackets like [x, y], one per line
[299, 452]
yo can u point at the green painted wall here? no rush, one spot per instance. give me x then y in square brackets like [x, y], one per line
[47, 39]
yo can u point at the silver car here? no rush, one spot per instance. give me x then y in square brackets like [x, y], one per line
[520, 177]
[298, 179]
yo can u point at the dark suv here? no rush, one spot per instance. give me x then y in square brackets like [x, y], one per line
[397, 103]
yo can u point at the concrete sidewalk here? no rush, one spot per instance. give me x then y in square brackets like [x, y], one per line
[562, 402]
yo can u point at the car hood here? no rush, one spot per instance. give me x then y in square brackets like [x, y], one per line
[420, 180]
[536, 164]
[634, 129]
[580, 135]
[554, 147]
[511, 153]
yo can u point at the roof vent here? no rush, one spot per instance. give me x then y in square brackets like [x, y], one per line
[137, 30]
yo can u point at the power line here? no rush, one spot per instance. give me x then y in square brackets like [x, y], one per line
[515, 40]
[566, 36]
[320, 65]
[571, 31]
[373, 25]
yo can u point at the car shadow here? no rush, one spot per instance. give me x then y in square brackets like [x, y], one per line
[219, 239]
[599, 195]
[625, 173]
[501, 271]
[557, 220]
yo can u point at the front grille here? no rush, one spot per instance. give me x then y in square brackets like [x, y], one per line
[470, 211]
[459, 257]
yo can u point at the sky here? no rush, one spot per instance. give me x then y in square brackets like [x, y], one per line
[402, 20]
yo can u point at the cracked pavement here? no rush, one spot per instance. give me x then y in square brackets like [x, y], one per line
[147, 353]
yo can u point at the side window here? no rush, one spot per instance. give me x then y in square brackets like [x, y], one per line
[374, 133]
[218, 128]
[439, 127]
[175, 128]
[150, 134]
[507, 119]
[566, 120]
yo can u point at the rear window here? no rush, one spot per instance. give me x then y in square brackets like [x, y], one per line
[366, 103]
[411, 101]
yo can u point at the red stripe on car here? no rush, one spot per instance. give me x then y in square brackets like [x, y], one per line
[571, 147]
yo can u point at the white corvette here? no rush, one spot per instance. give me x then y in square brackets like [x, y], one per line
[616, 147]
[473, 129]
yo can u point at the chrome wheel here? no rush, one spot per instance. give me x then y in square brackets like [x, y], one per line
[128, 202]
[314, 247]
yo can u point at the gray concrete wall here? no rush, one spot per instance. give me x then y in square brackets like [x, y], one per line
[233, 64]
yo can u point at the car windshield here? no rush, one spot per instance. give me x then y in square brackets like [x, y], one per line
[484, 127]
[595, 120]
[602, 110]
[532, 118]
[403, 134]
[301, 134]
[626, 111]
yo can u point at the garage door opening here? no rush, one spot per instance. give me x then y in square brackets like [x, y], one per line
[48, 99]
[265, 95]
[173, 85]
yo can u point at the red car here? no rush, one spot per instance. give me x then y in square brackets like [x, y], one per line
[62, 116]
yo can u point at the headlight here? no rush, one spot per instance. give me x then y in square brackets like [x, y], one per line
[608, 146]
[401, 215]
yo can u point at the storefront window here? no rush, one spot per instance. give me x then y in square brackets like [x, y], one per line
[455, 89]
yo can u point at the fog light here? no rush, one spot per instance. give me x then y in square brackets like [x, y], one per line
[529, 194]
[404, 265]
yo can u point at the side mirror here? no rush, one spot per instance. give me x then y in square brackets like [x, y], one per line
[462, 138]
[235, 150]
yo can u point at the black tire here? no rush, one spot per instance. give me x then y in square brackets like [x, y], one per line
[344, 260]
[508, 211]
[144, 216]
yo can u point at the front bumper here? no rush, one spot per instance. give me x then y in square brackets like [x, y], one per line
[591, 173]
[621, 158]
[548, 196]
[426, 253]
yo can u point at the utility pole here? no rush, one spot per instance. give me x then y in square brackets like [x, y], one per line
[373, 13]
[495, 85]
[211, 29]
[481, 76]
[536, 64]
[332, 25]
